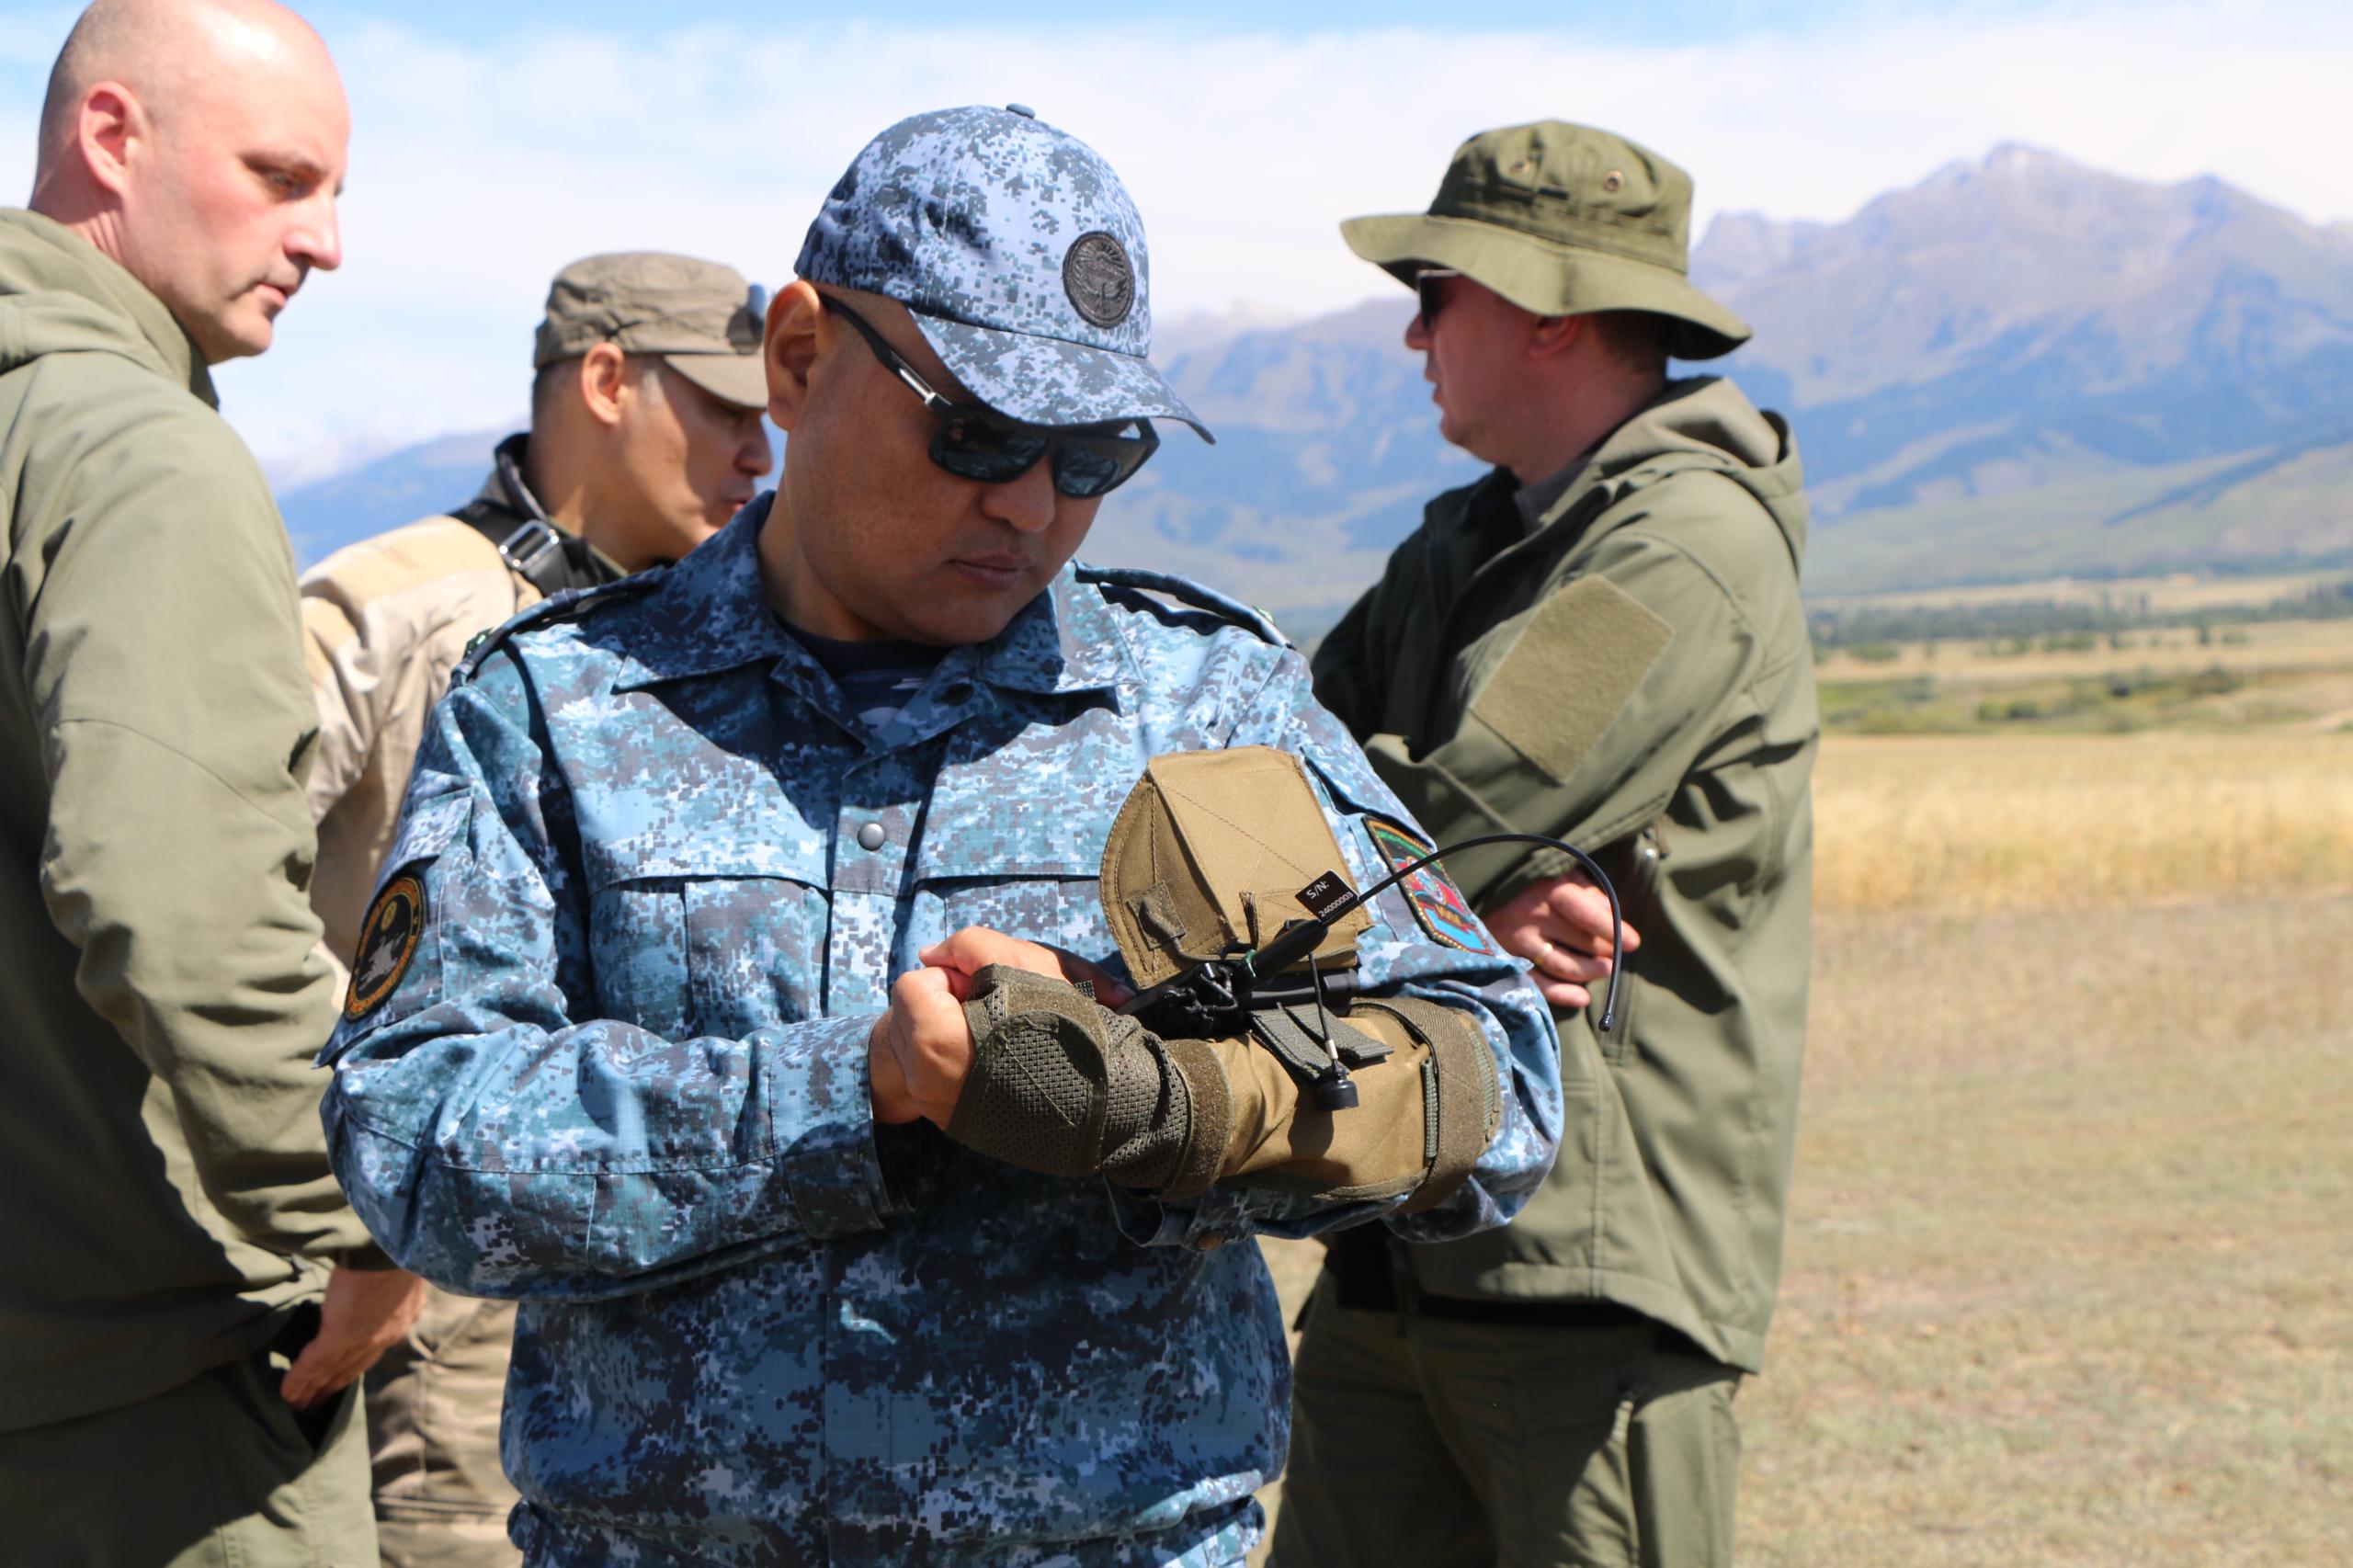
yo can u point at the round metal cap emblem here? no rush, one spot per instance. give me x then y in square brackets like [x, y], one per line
[1100, 279]
[386, 945]
[749, 326]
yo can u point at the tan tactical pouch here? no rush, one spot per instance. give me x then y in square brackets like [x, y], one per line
[1209, 855]
[1209, 852]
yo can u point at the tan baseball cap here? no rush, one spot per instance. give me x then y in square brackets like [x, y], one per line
[1561, 219]
[703, 319]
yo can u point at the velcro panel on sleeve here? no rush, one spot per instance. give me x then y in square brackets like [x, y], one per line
[1576, 665]
[1469, 1101]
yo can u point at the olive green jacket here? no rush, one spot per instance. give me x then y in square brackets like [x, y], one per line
[165, 1169]
[1632, 675]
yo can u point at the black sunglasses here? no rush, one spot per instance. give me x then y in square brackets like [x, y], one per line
[973, 442]
[1428, 295]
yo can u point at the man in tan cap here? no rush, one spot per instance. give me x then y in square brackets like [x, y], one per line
[1601, 641]
[645, 438]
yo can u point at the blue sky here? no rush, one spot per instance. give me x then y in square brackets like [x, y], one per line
[1628, 22]
[493, 143]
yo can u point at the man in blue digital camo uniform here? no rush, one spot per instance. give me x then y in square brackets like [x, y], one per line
[702, 1009]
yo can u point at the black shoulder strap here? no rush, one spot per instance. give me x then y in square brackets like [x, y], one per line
[1189, 593]
[545, 557]
[555, 606]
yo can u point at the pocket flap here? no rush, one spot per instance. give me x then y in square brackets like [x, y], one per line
[756, 838]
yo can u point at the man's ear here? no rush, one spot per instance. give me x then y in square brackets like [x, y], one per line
[605, 382]
[112, 122]
[1551, 336]
[797, 331]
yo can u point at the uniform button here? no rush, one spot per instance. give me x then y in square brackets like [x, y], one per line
[871, 836]
[1024, 110]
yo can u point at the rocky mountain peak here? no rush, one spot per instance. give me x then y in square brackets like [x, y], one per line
[2024, 256]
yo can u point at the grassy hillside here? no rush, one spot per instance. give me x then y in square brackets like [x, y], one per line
[2269, 507]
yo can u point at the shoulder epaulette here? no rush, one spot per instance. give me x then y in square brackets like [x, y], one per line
[1187, 592]
[562, 606]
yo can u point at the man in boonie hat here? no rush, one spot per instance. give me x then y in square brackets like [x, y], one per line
[645, 437]
[1602, 641]
[709, 1008]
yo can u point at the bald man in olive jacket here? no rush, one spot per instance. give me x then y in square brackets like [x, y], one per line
[186, 1300]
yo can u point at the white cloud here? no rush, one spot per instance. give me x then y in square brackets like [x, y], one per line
[478, 171]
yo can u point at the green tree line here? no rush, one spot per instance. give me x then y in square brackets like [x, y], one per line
[2023, 625]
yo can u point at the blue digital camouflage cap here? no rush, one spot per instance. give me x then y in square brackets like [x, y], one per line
[1021, 255]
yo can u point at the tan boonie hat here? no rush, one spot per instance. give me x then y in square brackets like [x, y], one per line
[1561, 219]
[703, 319]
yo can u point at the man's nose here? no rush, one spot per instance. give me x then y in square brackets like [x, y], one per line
[755, 456]
[1027, 502]
[1417, 334]
[317, 239]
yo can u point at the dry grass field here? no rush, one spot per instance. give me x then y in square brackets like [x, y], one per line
[2070, 1276]
[2092, 658]
[1975, 825]
[2285, 674]
[2070, 1279]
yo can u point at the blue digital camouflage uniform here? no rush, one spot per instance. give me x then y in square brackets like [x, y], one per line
[623, 1077]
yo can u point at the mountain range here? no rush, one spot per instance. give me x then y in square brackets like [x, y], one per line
[2018, 367]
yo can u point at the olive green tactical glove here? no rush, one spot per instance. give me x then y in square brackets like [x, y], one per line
[1062, 1085]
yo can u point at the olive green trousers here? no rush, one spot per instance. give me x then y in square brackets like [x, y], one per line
[219, 1472]
[433, 1406]
[1472, 1444]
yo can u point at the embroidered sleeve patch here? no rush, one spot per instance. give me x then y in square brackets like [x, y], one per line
[387, 943]
[1438, 904]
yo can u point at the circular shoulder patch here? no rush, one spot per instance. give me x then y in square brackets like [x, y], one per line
[386, 944]
[1100, 279]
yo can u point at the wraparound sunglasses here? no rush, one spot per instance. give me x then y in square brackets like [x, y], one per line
[1429, 294]
[977, 443]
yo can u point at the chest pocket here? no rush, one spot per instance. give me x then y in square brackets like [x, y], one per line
[1010, 854]
[716, 938]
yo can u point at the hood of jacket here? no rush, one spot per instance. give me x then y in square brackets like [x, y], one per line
[1703, 422]
[59, 294]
